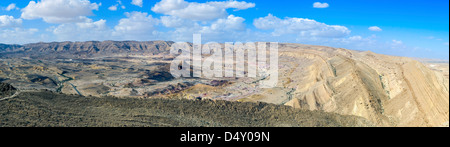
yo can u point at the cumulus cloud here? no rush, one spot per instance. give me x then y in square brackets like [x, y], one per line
[137, 25]
[113, 8]
[82, 31]
[237, 5]
[116, 6]
[175, 22]
[11, 7]
[19, 36]
[59, 11]
[300, 26]
[90, 24]
[230, 28]
[7, 21]
[199, 11]
[357, 42]
[320, 5]
[137, 3]
[230, 23]
[375, 29]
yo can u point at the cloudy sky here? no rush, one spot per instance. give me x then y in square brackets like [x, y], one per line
[418, 28]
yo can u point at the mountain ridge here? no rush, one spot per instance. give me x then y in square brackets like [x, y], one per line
[89, 48]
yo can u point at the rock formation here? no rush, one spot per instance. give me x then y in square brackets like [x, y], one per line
[389, 91]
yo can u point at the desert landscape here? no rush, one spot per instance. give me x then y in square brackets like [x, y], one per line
[128, 83]
[224, 63]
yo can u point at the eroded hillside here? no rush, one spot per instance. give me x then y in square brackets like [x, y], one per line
[389, 91]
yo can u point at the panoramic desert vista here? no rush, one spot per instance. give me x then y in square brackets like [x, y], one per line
[211, 67]
[357, 88]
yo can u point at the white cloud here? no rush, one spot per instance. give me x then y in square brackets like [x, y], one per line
[82, 31]
[237, 5]
[397, 42]
[199, 11]
[355, 38]
[120, 3]
[446, 43]
[231, 23]
[137, 26]
[137, 3]
[113, 8]
[357, 42]
[375, 28]
[7, 21]
[116, 6]
[11, 7]
[268, 22]
[300, 26]
[90, 24]
[175, 22]
[59, 11]
[19, 36]
[231, 28]
[320, 5]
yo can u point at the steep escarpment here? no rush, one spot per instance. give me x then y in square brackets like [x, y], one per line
[428, 95]
[89, 48]
[387, 90]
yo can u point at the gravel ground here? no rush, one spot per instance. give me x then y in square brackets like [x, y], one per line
[48, 109]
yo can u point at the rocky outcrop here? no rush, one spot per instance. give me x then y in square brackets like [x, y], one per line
[6, 90]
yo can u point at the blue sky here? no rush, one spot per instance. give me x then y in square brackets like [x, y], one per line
[404, 27]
